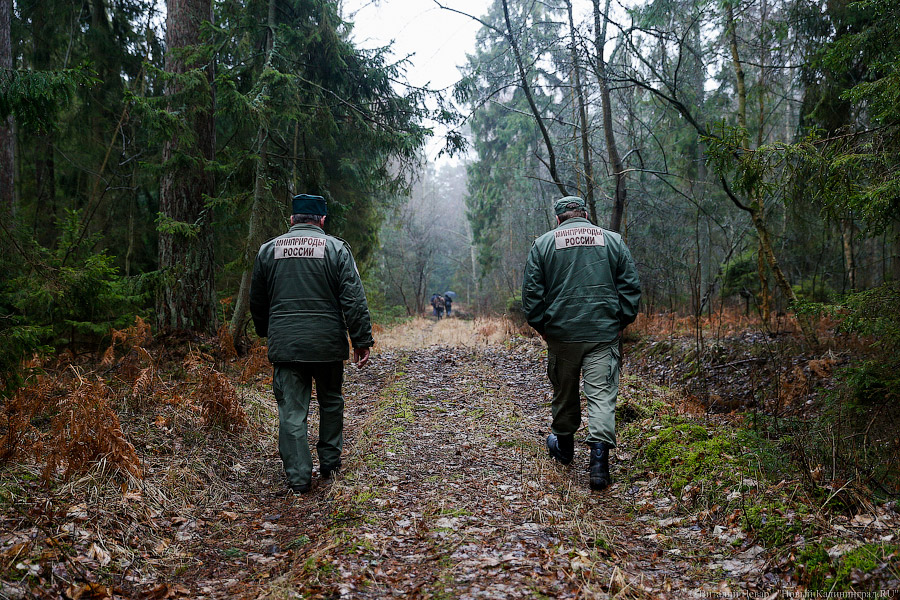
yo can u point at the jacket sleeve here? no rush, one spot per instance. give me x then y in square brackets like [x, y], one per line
[628, 287]
[353, 303]
[533, 290]
[259, 297]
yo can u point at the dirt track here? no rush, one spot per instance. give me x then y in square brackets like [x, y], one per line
[447, 493]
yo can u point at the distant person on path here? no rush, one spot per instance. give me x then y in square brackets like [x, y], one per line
[448, 302]
[438, 303]
[580, 291]
[305, 296]
[434, 305]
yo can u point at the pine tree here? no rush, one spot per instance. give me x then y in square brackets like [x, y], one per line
[7, 135]
[186, 300]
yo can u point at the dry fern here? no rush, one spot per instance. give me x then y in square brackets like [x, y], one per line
[219, 404]
[143, 385]
[794, 388]
[822, 367]
[195, 361]
[227, 350]
[85, 431]
[18, 436]
[135, 336]
[256, 362]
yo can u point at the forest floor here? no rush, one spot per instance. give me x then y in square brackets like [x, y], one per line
[446, 492]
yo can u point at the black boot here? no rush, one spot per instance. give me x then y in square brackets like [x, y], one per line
[600, 479]
[561, 448]
[328, 471]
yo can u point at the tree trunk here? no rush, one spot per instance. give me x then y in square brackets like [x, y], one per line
[44, 163]
[757, 207]
[7, 134]
[895, 255]
[615, 162]
[741, 85]
[582, 117]
[242, 302]
[240, 317]
[526, 89]
[764, 49]
[764, 296]
[847, 232]
[186, 300]
[765, 242]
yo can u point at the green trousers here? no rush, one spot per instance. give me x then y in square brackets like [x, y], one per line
[292, 384]
[599, 362]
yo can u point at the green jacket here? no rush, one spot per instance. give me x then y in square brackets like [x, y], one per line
[306, 294]
[580, 284]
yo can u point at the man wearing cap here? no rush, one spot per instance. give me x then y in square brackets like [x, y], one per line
[580, 291]
[306, 296]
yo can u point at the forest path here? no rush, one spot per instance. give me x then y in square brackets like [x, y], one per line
[447, 492]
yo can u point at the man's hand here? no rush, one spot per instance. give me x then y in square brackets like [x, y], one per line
[360, 357]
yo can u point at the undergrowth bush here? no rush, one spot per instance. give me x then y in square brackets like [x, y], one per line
[873, 315]
[255, 362]
[85, 431]
[854, 437]
[70, 431]
[74, 290]
[219, 403]
[67, 295]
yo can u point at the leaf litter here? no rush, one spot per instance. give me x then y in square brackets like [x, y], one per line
[446, 492]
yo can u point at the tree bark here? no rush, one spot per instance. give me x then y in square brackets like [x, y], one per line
[895, 255]
[582, 117]
[763, 276]
[848, 231]
[7, 133]
[741, 85]
[612, 149]
[186, 300]
[260, 188]
[45, 166]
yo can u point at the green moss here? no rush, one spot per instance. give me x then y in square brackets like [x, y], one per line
[454, 512]
[820, 572]
[815, 566]
[774, 524]
[362, 497]
[660, 348]
[629, 412]
[475, 413]
[866, 558]
[298, 542]
[686, 453]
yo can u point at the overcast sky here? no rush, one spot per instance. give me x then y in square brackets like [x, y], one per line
[436, 40]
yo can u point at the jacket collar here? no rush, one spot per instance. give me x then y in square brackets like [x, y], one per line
[306, 227]
[575, 222]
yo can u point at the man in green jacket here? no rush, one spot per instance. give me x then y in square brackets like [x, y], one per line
[580, 291]
[306, 296]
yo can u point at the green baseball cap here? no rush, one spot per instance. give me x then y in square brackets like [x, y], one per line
[564, 204]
